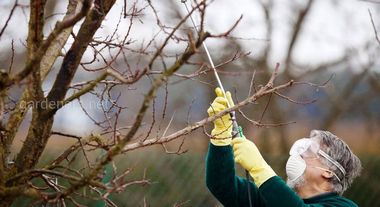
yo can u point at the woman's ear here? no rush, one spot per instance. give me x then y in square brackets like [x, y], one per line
[327, 174]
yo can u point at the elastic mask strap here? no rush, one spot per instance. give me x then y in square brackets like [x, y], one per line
[327, 157]
[321, 168]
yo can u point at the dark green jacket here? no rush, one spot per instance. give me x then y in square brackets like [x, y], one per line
[231, 190]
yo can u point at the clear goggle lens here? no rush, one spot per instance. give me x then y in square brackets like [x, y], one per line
[309, 148]
[304, 147]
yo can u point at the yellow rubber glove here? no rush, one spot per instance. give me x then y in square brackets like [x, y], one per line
[222, 132]
[249, 157]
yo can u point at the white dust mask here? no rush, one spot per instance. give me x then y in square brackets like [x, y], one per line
[308, 147]
[295, 167]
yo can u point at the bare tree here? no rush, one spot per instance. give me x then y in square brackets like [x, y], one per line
[117, 69]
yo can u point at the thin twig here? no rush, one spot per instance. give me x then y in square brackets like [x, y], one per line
[266, 90]
[167, 127]
[266, 107]
[9, 18]
[252, 84]
[294, 101]
[12, 58]
[374, 27]
[266, 125]
[66, 135]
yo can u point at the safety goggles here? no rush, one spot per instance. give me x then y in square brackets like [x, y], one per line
[309, 147]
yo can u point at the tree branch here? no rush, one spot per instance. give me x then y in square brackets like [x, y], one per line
[42, 120]
[156, 83]
[24, 102]
[266, 90]
[29, 174]
[74, 55]
[36, 57]
[9, 18]
[374, 27]
[297, 28]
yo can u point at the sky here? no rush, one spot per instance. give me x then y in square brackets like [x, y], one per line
[331, 26]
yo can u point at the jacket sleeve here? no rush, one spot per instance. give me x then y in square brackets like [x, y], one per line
[223, 183]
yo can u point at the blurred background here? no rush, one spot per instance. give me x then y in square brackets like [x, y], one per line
[328, 46]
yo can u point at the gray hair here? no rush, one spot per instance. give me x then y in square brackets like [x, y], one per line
[340, 152]
[300, 181]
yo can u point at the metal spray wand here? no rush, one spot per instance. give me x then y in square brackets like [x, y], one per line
[236, 130]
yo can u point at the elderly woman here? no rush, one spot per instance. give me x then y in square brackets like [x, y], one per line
[320, 168]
